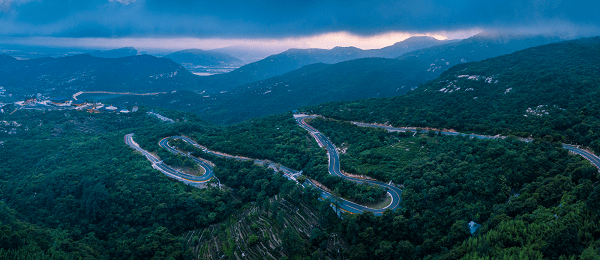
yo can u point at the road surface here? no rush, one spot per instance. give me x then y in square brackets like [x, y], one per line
[170, 172]
[334, 164]
[595, 160]
[290, 174]
[587, 155]
[334, 169]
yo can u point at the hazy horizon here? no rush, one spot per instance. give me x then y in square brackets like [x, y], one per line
[276, 26]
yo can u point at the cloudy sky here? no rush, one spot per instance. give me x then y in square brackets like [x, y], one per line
[305, 23]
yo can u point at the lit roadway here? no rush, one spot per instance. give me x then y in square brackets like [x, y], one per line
[344, 205]
[288, 173]
[334, 163]
[159, 165]
[334, 169]
[595, 160]
[414, 129]
[587, 155]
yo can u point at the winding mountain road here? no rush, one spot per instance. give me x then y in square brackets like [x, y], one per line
[334, 164]
[595, 160]
[169, 171]
[290, 174]
[334, 169]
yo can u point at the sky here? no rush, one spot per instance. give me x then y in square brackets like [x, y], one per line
[300, 23]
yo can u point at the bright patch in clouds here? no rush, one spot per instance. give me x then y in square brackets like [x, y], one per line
[323, 41]
[5, 5]
[345, 39]
[125, 2]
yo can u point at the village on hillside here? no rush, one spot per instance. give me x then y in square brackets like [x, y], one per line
[62, 103]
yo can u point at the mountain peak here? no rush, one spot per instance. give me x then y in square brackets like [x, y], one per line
[199, 57]
[338, 48]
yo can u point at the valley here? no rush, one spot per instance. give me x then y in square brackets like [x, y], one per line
[483, 148]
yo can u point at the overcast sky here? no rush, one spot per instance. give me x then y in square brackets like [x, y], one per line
[306, 23]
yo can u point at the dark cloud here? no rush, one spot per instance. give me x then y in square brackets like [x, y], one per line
[268, 19]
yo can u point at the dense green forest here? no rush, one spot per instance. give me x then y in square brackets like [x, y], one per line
[548, 92]
[68, 75]
[371, 151]
[76, 190]
[310, 85]
[531, 199]
[287, 144]
[70, 188]
[528, 199]
[81, 192]
[75, 181]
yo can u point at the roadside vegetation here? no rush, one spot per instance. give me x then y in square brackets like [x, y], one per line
[531, 199]
[273, 229]
[371, 151]
[548, 92]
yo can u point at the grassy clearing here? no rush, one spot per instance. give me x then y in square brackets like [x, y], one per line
[387, 159]
[196, 171]
[384, 203]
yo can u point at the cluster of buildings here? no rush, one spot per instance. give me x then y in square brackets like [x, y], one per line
[65, 103]
[9, 127]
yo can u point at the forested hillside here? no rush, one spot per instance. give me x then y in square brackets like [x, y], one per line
[319, 83]
[314, 84]
[293, 59]
[71, 188]
[548, 92]
[310, 85]
[88, 195]
[469, 198]
[68, 75]
[437, 59]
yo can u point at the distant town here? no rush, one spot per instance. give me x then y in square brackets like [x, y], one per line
[62, 103]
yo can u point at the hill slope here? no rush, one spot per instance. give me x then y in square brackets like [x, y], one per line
[197, 57]
[292, 59]
[314, 84]
[68, 75]
[355, 79]
[437, 59]
[548, 92]
[309, 85]
[320, 83]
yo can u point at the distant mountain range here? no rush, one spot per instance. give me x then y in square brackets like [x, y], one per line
[64, 76]
[437, 59]
[116, 53]
[249, 54]
[355, 79]
[292, 59]
[199, 57]
[203, 63]
[311, 84]
[252, 90]
[24, 52]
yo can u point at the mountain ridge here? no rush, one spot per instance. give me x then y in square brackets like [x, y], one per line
[115, 53]
[292, 59]
[67, 75]
[200, 57]
[547, 92]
